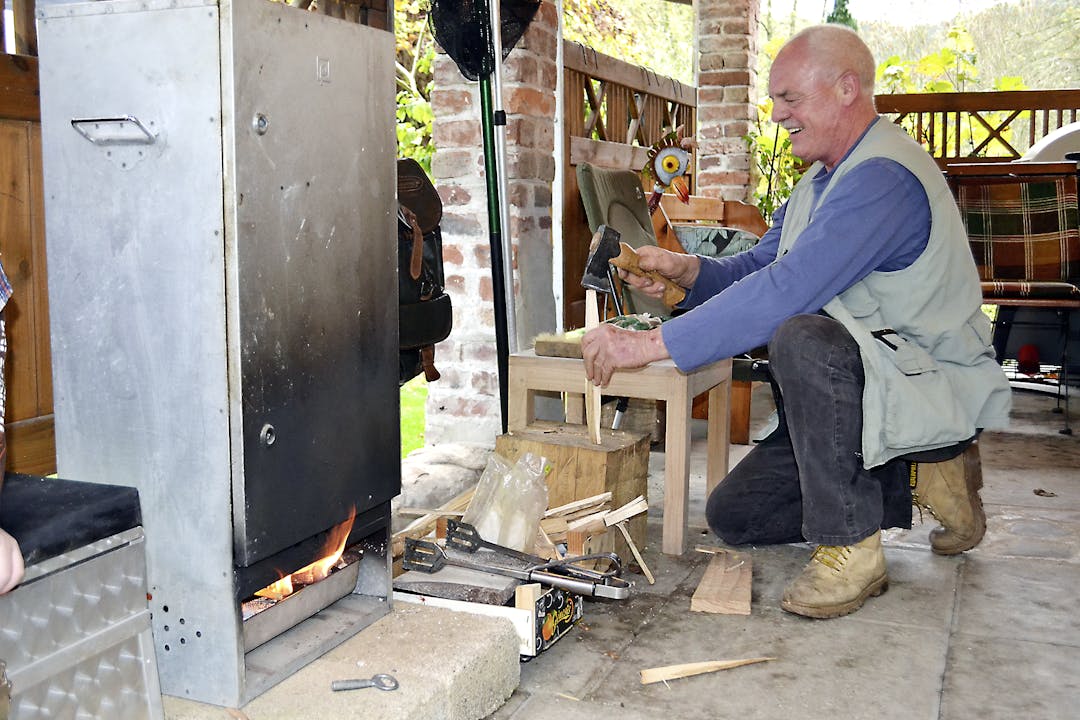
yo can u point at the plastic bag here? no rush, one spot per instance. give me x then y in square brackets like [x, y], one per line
[509, 501]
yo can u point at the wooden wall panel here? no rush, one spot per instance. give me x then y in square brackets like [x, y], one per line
[28, 371]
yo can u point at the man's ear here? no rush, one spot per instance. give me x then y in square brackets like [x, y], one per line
[850, 87]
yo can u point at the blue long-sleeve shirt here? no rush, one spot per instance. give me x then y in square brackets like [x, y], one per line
[877, 218]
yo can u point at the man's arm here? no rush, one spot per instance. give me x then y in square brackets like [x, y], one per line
[876, 218]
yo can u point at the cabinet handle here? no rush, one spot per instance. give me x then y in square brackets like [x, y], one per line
[121, 130]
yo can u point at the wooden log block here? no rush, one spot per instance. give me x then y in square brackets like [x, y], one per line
[725, 587]
[580, 469]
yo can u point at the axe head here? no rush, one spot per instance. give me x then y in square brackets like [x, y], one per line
[605, 245]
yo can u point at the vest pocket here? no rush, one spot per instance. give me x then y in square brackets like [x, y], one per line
[909, 358]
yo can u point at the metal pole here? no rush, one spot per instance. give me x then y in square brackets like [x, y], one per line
[498, 277]
[499, 114]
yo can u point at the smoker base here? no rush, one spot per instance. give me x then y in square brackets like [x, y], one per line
[76, 635]
[281, 657]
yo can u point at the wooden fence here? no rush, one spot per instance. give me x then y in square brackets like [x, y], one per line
[613, 113]
[981, 126]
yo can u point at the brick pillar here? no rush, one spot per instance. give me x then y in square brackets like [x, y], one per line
[727, 33]
[464, 404]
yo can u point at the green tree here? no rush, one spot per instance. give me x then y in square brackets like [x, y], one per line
[414, 55]
[656, 34]
[841, 16]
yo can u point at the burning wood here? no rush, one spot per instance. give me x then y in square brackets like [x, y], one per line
[316, 571]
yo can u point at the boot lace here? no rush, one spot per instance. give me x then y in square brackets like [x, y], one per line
[921, 505]
[831, 556]
[917, 501]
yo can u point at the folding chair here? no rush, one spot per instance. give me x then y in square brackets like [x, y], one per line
[1023, 224]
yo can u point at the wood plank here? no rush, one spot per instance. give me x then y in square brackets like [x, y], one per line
[584, 60]
[607, 155]
[592, 392]
[725, 587]
[31, 446]
[17, 252]
[40, 282]
[19, 88]
[977, 101]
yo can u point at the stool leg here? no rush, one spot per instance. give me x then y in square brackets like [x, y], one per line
[676, 470]
[718, 444]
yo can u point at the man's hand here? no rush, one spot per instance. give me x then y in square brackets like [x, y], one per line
[11, 563]
[607, 348]
[681, 268]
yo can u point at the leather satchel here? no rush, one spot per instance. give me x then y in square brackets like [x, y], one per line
[425, 314]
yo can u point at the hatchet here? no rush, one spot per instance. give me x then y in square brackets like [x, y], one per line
[606, 248]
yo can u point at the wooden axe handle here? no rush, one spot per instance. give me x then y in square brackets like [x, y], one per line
[627, 260]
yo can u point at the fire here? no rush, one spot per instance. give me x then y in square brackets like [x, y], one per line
[316, 571]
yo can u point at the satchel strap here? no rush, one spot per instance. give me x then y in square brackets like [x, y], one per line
[416, 255]
[427, 360]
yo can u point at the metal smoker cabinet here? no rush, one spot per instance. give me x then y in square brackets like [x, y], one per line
[220, 204]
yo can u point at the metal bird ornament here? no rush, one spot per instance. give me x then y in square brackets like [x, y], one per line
[668, 162]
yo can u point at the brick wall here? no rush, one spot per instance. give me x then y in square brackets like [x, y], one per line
[726, 77]
[464, 404]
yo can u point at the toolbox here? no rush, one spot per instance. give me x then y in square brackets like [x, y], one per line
[75, 637]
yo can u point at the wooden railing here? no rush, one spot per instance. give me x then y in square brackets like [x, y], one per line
[612, 102]
[613, 113]
[981, 126]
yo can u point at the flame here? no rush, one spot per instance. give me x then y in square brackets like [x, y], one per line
[316, 571]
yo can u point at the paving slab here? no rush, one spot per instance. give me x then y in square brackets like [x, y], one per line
[449, 666]
[996, 679]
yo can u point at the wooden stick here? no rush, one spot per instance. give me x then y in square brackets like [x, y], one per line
[674, 672]
[592, 393]
[589, 523]
[424, 524]
[710, 549]
[637, 555]
[576, 505]
[635, 507]
[544, 546]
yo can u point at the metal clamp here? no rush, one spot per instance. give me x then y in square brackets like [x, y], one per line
[120, 130]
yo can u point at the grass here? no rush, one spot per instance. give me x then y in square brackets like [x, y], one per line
[413, 399]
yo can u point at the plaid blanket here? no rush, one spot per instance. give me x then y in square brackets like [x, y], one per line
[1024, 234]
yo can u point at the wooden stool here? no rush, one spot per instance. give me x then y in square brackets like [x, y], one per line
[530, 373]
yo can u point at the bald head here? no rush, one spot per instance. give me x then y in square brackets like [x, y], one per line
[832, 50]
[822, 86]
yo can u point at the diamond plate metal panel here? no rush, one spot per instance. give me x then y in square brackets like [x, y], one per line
[76, 636]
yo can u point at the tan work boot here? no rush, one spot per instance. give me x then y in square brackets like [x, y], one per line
[950, 492]
[838, 579]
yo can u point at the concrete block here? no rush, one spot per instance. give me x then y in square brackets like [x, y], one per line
[449, 666]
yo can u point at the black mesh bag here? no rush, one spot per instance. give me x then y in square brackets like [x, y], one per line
[462, 29]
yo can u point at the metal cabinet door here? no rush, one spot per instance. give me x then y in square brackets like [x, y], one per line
[314, 273]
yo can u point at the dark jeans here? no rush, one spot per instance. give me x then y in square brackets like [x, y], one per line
[806, 481]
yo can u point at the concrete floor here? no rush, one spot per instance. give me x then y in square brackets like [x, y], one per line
[994, 633]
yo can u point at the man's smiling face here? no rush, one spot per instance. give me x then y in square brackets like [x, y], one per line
[807, 103]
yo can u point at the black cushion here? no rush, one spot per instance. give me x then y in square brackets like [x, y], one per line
[50, 517]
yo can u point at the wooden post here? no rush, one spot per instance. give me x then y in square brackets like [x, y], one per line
[25, 27]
